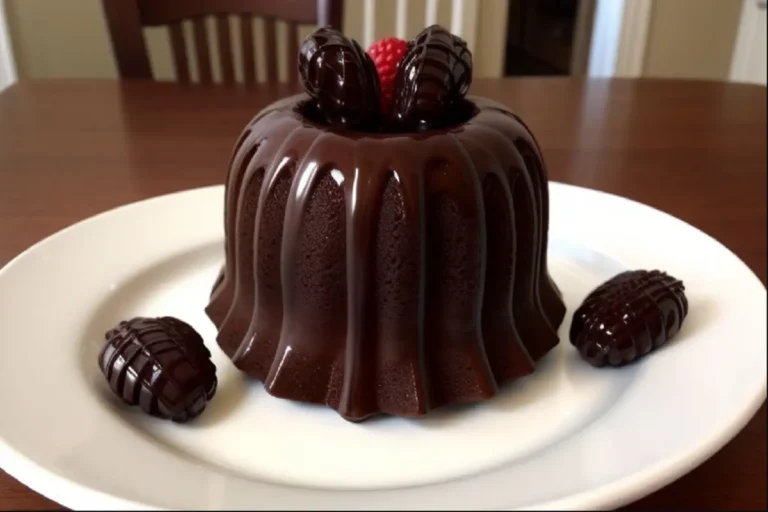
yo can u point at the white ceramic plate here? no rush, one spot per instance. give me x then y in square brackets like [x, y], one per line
[570, 436]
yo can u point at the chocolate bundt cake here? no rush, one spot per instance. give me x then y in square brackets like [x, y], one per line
[386, 272]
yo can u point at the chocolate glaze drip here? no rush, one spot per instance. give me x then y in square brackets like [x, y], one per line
[628, 316]
[386, 273]
[161, 365]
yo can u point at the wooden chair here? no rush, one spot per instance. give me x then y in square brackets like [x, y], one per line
[126, 19]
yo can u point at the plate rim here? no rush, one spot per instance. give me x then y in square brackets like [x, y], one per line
[72, 494]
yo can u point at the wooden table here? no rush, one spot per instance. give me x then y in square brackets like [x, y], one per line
[71, 149]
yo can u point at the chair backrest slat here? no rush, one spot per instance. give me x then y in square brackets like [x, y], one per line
[270, 49]
[201, 50]
[179, 50]
[225, 49]
[249, 53]
[293, 49]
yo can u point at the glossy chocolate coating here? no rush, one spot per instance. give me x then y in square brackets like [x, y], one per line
[161, 365]
[386, 273]
[433, 77]
[341, 77]
[628, 316]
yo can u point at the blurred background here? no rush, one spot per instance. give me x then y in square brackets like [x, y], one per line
[694, 39]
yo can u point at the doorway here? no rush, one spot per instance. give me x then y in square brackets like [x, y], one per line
[548, 37]
[749, 54]
[7, 66]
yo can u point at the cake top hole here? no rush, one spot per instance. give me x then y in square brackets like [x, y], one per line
[462, 112]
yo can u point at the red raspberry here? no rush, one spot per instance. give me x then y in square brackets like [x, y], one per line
[387, 54]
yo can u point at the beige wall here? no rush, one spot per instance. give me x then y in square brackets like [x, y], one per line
[691, 38]
[68, 38]
[60, 38]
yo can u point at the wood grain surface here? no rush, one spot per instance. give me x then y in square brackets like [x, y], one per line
[697, 150]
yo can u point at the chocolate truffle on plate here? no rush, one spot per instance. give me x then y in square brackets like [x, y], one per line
[161, 365]
[628, 316]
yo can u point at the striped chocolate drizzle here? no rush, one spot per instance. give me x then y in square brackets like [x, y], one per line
[337, 72]
[433, 77]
